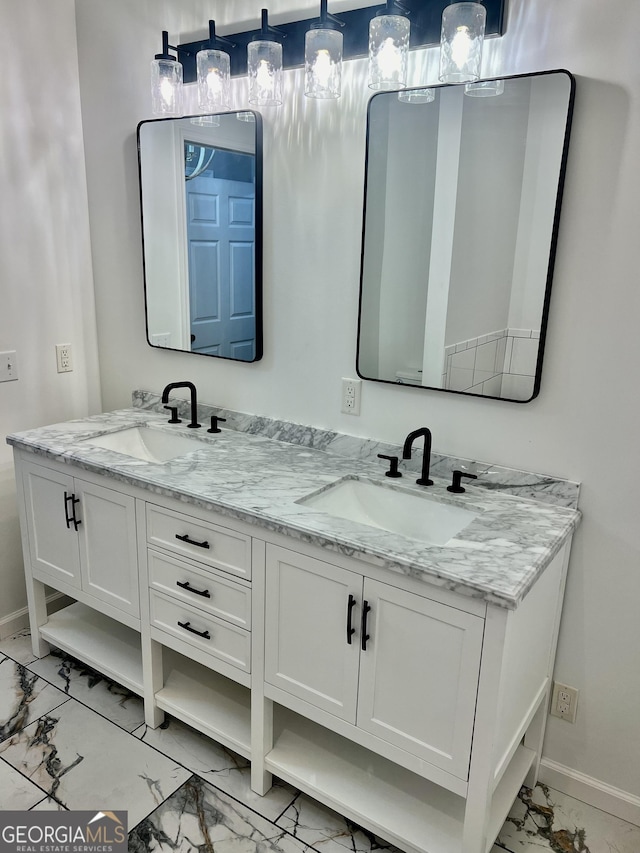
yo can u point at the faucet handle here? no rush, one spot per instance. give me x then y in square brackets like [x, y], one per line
[215, 420]
[456, 486]
[174, 419]
[393, 465]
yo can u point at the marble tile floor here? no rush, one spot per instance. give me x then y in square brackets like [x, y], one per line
[70, 738]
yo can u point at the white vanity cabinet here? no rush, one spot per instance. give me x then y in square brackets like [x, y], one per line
[397, 665]
[82, 539]
[414, 710]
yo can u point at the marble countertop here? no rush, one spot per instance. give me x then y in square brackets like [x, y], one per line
[259, 480]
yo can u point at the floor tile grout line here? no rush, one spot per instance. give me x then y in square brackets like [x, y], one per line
[47, 795]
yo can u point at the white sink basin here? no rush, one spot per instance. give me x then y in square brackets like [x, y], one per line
[151, 445]
[407, 513]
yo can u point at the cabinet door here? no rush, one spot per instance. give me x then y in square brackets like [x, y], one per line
[306, 649]
[107, 536]
[419, 676]
[53, 543]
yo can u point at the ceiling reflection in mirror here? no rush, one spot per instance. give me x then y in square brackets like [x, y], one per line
[462, 200]
[201, 196]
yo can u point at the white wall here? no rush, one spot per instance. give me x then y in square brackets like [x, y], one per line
[585, 423]
[46, 289]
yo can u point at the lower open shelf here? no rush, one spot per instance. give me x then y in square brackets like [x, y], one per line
[99, 641]
[206, 700]
[395, 803]
[400, 806]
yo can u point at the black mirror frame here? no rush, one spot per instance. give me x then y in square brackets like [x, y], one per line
[258, 246]
[552, 246]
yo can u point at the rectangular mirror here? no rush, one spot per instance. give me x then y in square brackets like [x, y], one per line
[201, 199]
[462, 199]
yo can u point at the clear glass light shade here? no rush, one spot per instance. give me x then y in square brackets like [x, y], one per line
[264, 64]
[388, 51]
[323, 63]
[461, 42]
[417, 96]
[484, 89]
[206, 121]
[214, 80]
[166, 87]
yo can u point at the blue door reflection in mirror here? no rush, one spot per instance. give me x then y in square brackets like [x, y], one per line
[461, 212]
[201, 197]
[220, 238]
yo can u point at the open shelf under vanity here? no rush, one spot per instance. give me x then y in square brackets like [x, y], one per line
[99, 641]
[405, 808]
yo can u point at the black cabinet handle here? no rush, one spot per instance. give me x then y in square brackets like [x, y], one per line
[203, 592]
[187, 627]
[70, 518]
[186, 539]
[366, 607]
[350, 605]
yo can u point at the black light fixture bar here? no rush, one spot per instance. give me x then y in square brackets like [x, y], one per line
[425, 17]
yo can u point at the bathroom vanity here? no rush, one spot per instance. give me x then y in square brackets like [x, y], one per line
[401, 682]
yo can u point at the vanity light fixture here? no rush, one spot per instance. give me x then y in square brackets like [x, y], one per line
[166, 82]
[463, 28]
[323, 56]
[417, 96]
[206, 121]
[389, 47]
[264, 66]
[380, 31]
[214, 74]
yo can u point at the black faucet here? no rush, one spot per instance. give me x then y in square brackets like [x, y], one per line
[426, 453]
[194, 403]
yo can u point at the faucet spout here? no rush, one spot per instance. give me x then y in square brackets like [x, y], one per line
[425, 432]
[194, 401]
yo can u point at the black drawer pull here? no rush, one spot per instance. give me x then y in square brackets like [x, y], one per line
[351, 603]
[186, 539]
[366, 607]
[203, 592]
[187, 627]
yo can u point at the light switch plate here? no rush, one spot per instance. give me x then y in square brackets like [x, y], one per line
[8, 366]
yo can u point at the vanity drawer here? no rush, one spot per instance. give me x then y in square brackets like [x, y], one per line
[219, 639]
[199, 540]
[205, 589]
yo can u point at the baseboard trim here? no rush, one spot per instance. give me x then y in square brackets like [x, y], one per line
[591, 791]
[19, 619]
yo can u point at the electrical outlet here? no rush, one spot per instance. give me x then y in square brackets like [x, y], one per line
[564, 702]
[351, 392]
[8, 366]
[63, 358]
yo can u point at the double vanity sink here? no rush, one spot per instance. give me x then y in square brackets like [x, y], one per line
[383, 646]
[379, 505]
